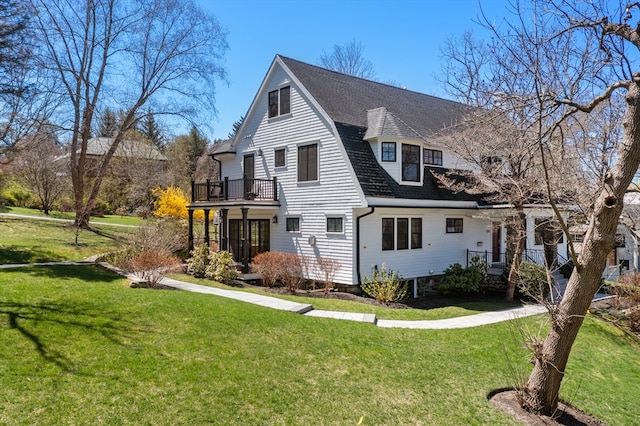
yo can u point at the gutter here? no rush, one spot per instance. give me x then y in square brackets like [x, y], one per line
[373, 209]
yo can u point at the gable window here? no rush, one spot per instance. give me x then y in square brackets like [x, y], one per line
[308, 163]
[293, 224]
[454, 225]
[432, 156]
[334, 224]
[388, 232]
[416, 232]
[389, 151]
[411, 163]
[280, 157]
[280, 102]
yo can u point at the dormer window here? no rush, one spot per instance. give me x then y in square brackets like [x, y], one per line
[389, 151]
[280, 102]
[433, 157]
[410, 163]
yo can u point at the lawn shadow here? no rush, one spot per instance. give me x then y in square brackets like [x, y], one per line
[86, 273]
[27, 318]
[19, 255]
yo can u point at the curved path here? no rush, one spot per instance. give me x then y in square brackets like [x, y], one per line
[308, 310]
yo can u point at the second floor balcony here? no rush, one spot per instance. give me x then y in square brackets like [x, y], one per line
[235, 190]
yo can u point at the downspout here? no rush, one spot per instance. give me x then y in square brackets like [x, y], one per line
[373, 209]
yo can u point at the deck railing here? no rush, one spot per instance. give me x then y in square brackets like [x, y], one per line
[498, 261]
[235, 189]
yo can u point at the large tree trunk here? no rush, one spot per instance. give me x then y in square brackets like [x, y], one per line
[540, 393]
[516, 235]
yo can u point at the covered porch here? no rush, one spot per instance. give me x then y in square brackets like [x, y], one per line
[246, 209]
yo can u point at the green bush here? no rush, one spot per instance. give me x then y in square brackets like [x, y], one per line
[532, 281]
[199, 260]
[385, 286]
[458, 280]
[221, 267]
[17, 195]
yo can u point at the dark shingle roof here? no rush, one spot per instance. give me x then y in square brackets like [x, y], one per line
[347, 99]
[376, 182]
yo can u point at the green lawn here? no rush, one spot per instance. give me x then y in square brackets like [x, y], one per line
[80, 347]
[35, 240]
[110, 219]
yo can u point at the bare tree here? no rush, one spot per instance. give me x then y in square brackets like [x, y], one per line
[348, 59]
[126, 55]
[40, 167]
[561, 61]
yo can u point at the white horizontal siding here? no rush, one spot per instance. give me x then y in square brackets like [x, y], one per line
[439, 249]
[334, 194]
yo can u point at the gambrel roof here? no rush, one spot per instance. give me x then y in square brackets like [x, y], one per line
[363, 109]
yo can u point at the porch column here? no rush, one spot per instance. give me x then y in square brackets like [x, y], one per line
[245, 240]
[206, 226]
[224, 230]
[190, 241]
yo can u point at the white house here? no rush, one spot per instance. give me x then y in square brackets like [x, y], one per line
[330, 165]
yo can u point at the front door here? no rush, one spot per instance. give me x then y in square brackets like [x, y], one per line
[258, 237]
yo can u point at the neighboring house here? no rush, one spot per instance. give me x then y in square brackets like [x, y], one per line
[128, 151]
[334, 166]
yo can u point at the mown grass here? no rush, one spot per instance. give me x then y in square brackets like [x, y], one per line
[35, 240]
[106, 219]
[463, 308]
[80, 347]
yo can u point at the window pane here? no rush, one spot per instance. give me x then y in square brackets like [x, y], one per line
[293, 224]
[454, 225]
[388, 151]
[403, 234]
[308, 163]
[273, 103]
[411, 163]
[285, 100]
[280, 157]
[387, 234]
[432, 156]
[416, 233]
[334, 224]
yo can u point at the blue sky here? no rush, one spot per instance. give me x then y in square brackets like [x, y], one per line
[402, 38]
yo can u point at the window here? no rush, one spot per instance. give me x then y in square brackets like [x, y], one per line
[398, 233]
[454, 225]
[389, 151]
[416, 232]
[432, 156]
[307, 163]
[293, 224]
[280, 155]
[280, 102]
[334, 224]
[411, 163]
[388, 233]
[402, 237]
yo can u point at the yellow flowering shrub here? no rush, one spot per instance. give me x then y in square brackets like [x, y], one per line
[172, 202]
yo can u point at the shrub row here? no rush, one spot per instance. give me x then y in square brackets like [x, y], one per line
[214, 265]
[289, 269]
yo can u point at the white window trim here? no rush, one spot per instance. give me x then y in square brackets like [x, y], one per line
[334, 216]
[286, 157]
[299, 231]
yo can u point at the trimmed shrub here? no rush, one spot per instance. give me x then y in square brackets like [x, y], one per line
[532, 281]
[386, 286]
[458, 280]
[270, 266]
[293, 271]
[149, 263]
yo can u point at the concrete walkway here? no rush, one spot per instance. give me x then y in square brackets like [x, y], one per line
[307, 310]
